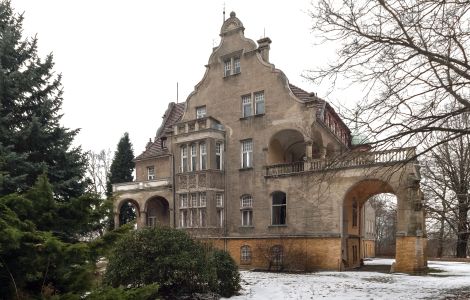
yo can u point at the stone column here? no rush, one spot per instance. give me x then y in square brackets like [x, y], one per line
[142, 220]
[116, 220]
[308, 149]
[410, 239]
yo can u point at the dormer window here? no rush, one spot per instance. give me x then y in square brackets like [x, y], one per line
[150, 173]
[163, 140]
[200, 112]
[232, 66]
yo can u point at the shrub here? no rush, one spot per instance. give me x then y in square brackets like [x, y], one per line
[170, 258]
[228, 278]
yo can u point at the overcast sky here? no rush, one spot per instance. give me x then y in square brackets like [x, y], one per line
[121, 60]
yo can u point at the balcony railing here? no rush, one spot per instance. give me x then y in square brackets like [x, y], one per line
[142, 185]
[349, 160]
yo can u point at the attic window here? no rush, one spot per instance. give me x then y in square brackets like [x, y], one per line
[200, 112]
[163, 140]
[231, 66]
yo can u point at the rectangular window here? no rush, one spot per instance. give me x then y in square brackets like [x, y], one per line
[220, 217]
[247, 217]
[200, 112]
[247, 154]
[193, 157]
[228, 67]
[194, 218]
[203, 153]
[202, 200]
[202, 217]
[219, 200]
[184, 159]
[246, 106]
[218, 155]
[184, 218]
[236, 65]
[194, 200]
[259, 103]
[151, 173]
[183, 200]
[247, 202]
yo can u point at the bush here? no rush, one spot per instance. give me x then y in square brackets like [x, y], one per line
[228, 278]
[170, 258]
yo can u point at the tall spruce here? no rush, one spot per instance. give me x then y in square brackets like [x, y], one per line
[32, 141]
[123, 164]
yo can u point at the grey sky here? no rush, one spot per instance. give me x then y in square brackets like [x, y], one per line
[121, 60]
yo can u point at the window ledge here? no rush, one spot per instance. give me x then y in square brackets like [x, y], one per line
[275, 226]
[252, 116]
[252, 227]
[246, 169]
[231, 75]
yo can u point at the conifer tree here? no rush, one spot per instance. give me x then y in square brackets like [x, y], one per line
[32, 140]
[123, 164]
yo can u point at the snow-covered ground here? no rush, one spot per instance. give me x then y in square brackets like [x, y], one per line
[358, 284]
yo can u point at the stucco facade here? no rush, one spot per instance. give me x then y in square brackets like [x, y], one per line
[267, 171]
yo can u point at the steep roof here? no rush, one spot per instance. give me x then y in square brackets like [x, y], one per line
[320, 104]
[172, 115]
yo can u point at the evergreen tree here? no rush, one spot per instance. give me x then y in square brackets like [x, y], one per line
[32, 141]
[123, 164]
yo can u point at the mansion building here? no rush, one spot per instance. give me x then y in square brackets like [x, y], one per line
[270, 172]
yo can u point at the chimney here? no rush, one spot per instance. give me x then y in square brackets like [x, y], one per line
[263, 48]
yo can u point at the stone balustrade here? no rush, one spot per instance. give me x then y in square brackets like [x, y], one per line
[348, 160]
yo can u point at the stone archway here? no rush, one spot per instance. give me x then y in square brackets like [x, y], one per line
[128, 210]
[286, 146]
[410, 243]
[157, 212]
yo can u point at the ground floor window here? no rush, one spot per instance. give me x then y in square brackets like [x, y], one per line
[245, 254]
[247, 217]
[277, 255]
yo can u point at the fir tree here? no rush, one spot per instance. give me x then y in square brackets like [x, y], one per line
[32, 141]
[123, 164]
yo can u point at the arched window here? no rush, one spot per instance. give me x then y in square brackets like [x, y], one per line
[279, 208]
[245, 254]
[277, 255]
[246, 207]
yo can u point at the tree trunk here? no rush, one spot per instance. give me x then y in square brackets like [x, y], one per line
[462, 228]
[440, 245]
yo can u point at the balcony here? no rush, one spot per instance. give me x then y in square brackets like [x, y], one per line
[349, 160]
[198, 125]
[142, 185]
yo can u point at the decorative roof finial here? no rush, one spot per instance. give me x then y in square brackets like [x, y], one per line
[232, 14]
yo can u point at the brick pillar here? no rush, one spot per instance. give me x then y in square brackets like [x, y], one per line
[411, 239]
[410, 256]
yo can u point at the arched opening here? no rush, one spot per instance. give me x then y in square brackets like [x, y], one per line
[330, 150]
[317, 144]
[369, 223]
[158, 212]
[286, 146]
[128, 211]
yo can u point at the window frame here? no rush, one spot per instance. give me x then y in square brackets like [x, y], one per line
[247, 101]
[219, 149]
[153, 175]
[279, 208]
[193, 155]
[184, 158]
[257, 100]
[246, 254]
[203, 156]
[203, 114]
[249, 154]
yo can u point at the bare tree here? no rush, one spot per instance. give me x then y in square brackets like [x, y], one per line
[385, 223]
[98, 170]
[447, 185]
[410, 57]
